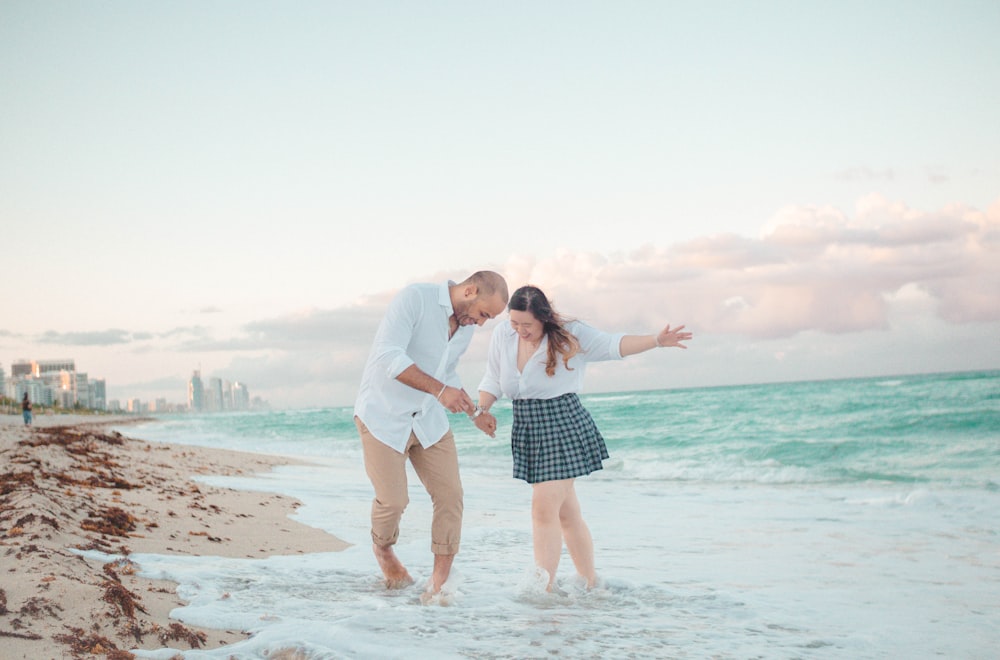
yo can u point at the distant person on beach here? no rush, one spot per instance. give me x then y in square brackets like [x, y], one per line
[26, 409]
[538, 361]
[408, 386]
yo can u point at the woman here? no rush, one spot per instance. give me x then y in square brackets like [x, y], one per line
[538, 361]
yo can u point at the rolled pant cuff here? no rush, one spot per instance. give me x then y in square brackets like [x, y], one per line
[444, 548]
[382, 541]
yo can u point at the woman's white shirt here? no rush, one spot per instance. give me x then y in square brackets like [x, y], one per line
[503, 378]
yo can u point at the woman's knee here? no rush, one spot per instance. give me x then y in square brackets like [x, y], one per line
[544, 509]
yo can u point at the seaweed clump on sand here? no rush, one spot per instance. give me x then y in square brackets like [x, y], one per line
[82, 644]
[93, 460]
[110, 521]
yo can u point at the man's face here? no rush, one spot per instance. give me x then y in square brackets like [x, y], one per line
[479, 310]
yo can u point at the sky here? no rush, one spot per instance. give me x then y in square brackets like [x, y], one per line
[812, 188]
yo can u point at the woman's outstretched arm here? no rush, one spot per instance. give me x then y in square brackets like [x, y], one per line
[666, 338]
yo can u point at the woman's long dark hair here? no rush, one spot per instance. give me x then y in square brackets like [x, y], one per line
[561, 342]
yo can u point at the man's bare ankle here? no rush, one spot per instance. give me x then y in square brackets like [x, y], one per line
[396, 575]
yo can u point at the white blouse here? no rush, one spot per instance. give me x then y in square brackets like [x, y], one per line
[503, 378]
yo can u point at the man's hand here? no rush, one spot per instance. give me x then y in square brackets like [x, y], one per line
[456, 400]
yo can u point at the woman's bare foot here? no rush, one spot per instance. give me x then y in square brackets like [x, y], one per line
[396, 575]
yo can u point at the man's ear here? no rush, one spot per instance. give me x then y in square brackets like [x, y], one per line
[471, 291]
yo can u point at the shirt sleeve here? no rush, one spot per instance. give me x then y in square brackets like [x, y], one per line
[491, 379]
[396, 331]
[597, 345]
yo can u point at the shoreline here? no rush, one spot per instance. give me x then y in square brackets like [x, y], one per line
[69, 482]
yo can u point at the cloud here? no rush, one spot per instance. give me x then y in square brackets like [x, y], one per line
[310, 329]
[318, 327]
[94, 338]
[812, 269]
[186, 331]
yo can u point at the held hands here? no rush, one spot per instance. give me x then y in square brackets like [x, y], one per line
[672, 338]
[456, 400]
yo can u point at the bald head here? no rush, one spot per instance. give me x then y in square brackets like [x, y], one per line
[489, 284]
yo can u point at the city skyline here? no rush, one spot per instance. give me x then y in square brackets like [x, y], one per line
[57, 383]
[810, 188]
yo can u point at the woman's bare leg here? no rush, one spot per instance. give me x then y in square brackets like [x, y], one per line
[546, 501]
[578, 539]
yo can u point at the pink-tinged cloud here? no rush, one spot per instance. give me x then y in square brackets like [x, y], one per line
[812, 268]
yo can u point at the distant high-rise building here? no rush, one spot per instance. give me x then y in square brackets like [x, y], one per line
[214, 402]
[81, 386]
[241, 397]
[196, 392]
[99, 394]
[3, 383]
[22, 369]
[37, 392]
[43, 367]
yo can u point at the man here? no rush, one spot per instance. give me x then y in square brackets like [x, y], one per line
[409, 383]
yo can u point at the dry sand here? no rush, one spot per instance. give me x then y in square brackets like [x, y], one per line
[70, 482]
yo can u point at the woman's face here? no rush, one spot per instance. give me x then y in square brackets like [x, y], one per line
[527, 326]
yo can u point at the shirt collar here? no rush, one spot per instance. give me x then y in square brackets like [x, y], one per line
[444, 297]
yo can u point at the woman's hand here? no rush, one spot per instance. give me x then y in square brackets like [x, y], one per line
[672, 338]
[486, 423]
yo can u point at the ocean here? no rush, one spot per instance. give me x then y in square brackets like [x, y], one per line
[835, 519]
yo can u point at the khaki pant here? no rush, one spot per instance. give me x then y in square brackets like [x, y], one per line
[437, 468]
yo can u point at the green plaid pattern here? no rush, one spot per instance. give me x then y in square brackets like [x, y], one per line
[554, 439]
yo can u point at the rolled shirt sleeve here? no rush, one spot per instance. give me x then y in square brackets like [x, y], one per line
[396, 332]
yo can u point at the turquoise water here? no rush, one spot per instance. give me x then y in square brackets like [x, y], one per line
[931, 429]
[836, 519]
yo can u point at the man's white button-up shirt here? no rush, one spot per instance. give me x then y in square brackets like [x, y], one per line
[414, 330]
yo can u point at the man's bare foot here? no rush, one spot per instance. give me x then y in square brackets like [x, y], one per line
[442, 569]
[396, 575]
[435, 593]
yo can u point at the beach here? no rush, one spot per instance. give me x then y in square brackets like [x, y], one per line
[70, 484]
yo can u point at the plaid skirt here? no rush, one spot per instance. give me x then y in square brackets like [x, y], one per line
[554, 439]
